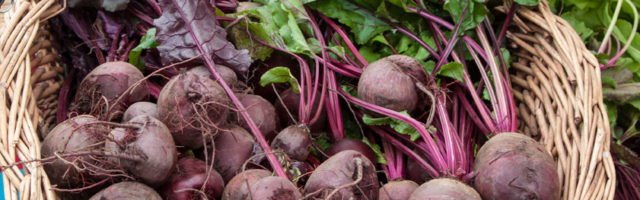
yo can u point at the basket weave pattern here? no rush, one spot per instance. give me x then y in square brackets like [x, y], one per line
[558, 92]
[556, 84]
[24, 44]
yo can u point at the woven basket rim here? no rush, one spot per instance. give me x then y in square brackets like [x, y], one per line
[28, 16]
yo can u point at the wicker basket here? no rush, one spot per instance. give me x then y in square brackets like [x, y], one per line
[30, 78]
[556, 83]
[559, 98]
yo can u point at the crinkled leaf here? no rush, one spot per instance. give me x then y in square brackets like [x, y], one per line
[239, 35]
[376, 149]
[614, 76]
[279, 75]
[183, 18]
[622, 93]
[474, 15]
[396, 124]
[578, 25]
[363, 25]
[452, 70]
[147, 41]
[286, 25]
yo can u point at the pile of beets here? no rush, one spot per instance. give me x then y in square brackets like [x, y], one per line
[197, 129]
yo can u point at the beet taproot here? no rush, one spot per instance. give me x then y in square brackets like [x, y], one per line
[514, 166]
[80, 134]
[295, 141]
[262, 113]
[151, 145]
[274, 187]
[109, 81]
[390, 83]
[233, 147]
[192, 107]
[238, 186]
[351, 144]
[192, 180]
[397, 190]
[444, 188]
[340, 170]
[140, 108]
[127, 190]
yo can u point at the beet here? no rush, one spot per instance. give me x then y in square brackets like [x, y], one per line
[445, 188]
[274, 187]
[292, 101]
[390, 83]
[351, 144]
[342, 169]
[151, 144]
[74, 135]
[238, 186]
[192, 106]
[295, 141]
[127, 190]
[189, 178]
[263, 114]
[397, 190]
[140, 108]
[227, 73]
[514, 166]
[109, 81]
[233, 148]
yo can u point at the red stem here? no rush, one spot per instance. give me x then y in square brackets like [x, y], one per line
[346, 39]
[433, 151]
[275, 164]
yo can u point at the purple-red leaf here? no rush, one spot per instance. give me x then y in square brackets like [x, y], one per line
[176, 41]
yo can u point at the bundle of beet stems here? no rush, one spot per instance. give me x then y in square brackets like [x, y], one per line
[291, 99]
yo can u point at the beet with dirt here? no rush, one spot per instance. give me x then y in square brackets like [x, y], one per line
[193, 179]
[274, 187]
[390, 83]
[262, 113]
[140, 108]
[351, 144]
[445, 188]
[238, 186]
[227, 73]
[340, 170]
[397, 190]
[109, 81]
[295, 141]
[233, 147]
[514, 166]
[193, 107]
[149, 149]
[67, 141]
[127, 190]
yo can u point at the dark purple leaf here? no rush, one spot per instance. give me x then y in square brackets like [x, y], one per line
[176, 41]
[227, 6]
